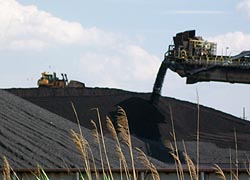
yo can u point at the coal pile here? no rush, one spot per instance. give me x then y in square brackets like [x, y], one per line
[151, 124]
[143, 118]
[31, 135]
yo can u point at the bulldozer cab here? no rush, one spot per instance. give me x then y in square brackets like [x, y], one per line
[47, 76]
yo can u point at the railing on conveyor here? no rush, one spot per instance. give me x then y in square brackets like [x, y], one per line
[241, 60]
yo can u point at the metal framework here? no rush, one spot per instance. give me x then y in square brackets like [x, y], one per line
[233, 69]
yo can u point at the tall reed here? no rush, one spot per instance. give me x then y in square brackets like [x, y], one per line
[123, 128]
[97, 140]
[247, 166]
[6, 169]
[190, 164]
[236, 175]
[41, 174]
[174, 149]
[122, 159]
[144, 159]
[219, 172]
[83, 147]
[198, 134]
[103, 143]
[230, 164]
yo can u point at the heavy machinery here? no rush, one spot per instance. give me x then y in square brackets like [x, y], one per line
[51, 80]
[195, 58]
[187, 45]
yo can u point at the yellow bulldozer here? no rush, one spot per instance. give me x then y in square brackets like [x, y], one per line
[51, 80]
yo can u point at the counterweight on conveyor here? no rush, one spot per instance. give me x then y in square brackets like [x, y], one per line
[196, 59]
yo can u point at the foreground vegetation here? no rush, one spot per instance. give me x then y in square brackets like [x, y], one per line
[121, 135]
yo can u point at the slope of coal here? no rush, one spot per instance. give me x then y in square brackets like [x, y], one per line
[217, 130]
[152, 124]
[85, 101]
[30, 135]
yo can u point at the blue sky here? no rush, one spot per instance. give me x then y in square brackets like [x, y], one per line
[119, 43]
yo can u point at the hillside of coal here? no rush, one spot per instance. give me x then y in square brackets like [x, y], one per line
[150, 124]
[31, 136]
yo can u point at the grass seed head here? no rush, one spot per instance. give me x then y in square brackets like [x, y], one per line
[6, 171]
[95, 132]
[121, 117]
[144, 159]
[169, 145]
[191, 166]
[111, 127]
[81, 143]
[219, 172]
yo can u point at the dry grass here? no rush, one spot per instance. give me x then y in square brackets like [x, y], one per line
[123, 162]
[236, 175]
[219, 172]
[97, 141]
[123, 128]
[144, 159]
[6, 170]
[174, 152]
[85, 149]
[230, 162]
[82, 146]
[40, 174]
[247, 166]
[103, 144]
[190, 164]
[198, 134]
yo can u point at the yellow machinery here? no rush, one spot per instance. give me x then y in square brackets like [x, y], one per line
[50, 80]
[195, 58]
